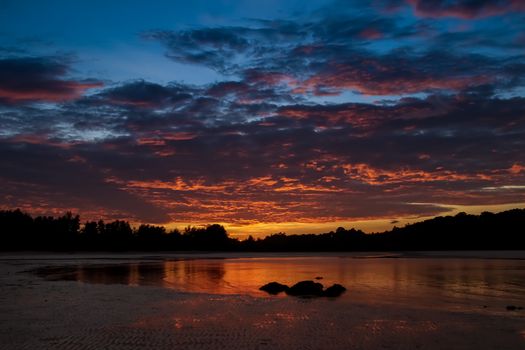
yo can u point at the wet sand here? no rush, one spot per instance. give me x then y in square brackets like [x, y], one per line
[40, 314]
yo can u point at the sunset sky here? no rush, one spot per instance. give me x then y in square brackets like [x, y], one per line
[264, 116]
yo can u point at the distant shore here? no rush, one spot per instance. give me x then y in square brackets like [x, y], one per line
[488, 231]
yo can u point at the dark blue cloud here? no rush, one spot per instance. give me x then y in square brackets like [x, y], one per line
[39, 79]
[369, 54]
[465, 8]
[143, 94]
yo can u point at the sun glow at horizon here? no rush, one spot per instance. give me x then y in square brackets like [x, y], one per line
[262, 229]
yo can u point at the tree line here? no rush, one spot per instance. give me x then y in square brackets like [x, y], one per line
[488, 231]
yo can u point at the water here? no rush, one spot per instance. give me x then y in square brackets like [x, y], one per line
[426, 281]
[446, 300]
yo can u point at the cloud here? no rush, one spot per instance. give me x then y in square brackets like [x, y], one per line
[214, 47]
[291, 132]
[143, 94]
[403, 72]
[26, 79]
[344, 52]
[216, 158]
[51, 176]
[467, 9]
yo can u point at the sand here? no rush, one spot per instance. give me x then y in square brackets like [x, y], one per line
[40, 314]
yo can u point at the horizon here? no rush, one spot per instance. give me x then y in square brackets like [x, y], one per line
[263, 117]
[245, 235]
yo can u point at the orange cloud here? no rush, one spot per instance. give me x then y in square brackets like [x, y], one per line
[516, 168]
[375, 176]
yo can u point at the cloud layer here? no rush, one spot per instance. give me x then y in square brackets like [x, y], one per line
[328, 117]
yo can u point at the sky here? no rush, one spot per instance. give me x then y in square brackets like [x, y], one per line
[264, 116]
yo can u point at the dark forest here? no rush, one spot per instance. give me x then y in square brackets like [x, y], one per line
[19, 231]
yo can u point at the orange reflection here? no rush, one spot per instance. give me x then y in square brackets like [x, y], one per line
[389, 279]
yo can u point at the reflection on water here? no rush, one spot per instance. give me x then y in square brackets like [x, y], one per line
[482, 281]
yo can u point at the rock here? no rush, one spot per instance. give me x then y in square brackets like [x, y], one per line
[306, 289]
[274, 288]
[319, 278]
[513, 308]
[334, 291]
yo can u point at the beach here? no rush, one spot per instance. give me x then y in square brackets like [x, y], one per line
[52, 313]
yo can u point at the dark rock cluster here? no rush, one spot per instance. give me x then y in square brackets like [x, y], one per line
[274, 288]
[304, 289]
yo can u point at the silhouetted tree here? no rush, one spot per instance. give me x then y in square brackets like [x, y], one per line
[118, 235]
[212, 237]
[152, 238]
[19, 231]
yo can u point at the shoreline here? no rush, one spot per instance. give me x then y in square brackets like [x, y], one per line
[153, 255]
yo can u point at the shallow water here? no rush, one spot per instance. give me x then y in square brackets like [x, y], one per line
[438, 300]
[449, 282]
